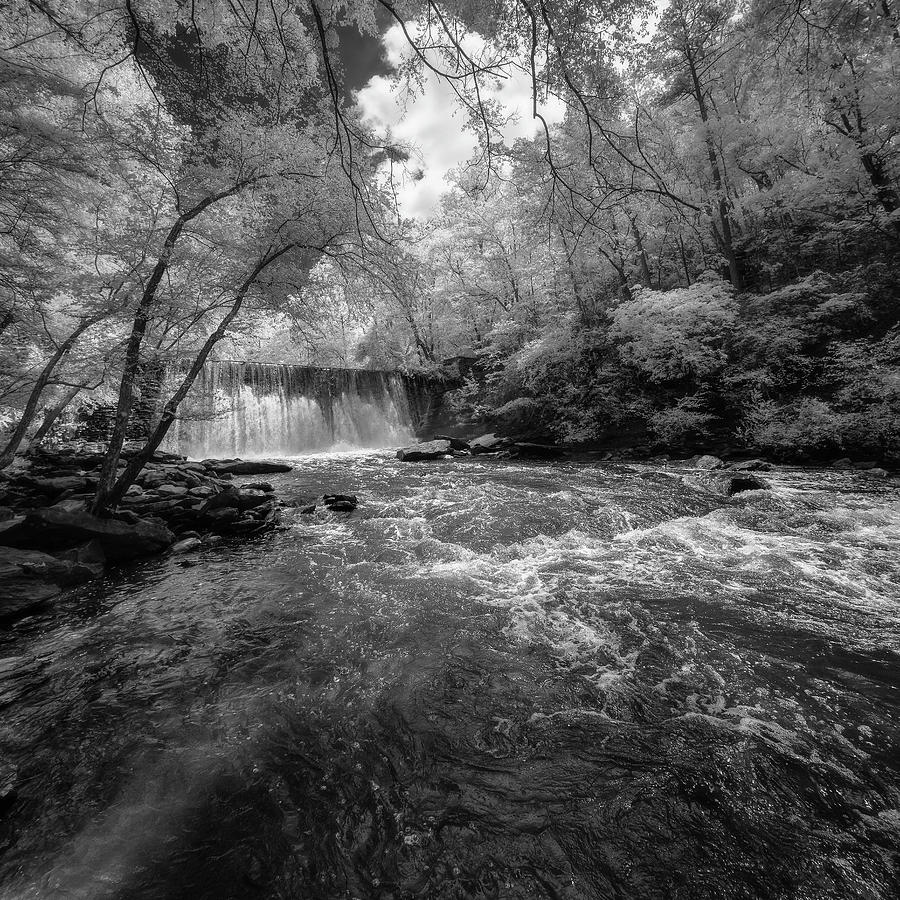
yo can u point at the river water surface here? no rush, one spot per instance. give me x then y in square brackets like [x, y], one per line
[494, 680]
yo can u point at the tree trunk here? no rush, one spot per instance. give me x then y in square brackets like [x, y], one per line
[52, 414]
[642, 254]
[137, 462]
[619, 267]
[684, 262]
[573, 277]
[21, 429]
[623, 281]
[723, 234]
[107, 475]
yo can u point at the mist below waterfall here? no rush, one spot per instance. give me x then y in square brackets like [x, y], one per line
[255, 409]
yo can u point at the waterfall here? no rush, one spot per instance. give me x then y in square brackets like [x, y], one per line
[250, 409]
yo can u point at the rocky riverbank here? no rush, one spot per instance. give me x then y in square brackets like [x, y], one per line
[728, 477]
[49, 541]
[496, 445]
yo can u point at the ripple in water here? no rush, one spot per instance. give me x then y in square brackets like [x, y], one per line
[511, 681]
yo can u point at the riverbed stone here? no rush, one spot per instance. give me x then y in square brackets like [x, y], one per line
[455, 442]
[172, 490]
[259, 486]
[58, 485]
[751, 465]
[186, 545]
[340, 502]
[225, 515]
[228, 496]
[707, 462]
[248, 466]
[732, 484]
[489, 443]
[57, 528]
[248, 499]
[424, 452]
[29, 578]
[88, 558]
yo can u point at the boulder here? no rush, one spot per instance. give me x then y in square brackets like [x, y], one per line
[29, 578]
[249, 499]
[339, 502]
[707, 462]
[186, 545]
[732, 484]
[226, 515]
[87, 559]
[258, 486]
[489, 443]
[58, 485]
[248, 466]
[455, 443]
[878, 472]
[843, 463]
[230, 496]
[751, 465]
[426, 451]
[172, 490]
[60, 528]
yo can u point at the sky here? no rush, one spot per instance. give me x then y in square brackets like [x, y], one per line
[434, 124]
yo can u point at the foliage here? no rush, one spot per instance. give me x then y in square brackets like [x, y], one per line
[706, 249]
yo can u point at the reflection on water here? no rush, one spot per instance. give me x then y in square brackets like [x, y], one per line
[492, 681]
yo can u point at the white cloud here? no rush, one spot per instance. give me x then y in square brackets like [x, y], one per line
[434, 123]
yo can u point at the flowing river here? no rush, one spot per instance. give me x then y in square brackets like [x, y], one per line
[493, 680]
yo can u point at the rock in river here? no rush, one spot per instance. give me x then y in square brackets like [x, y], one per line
[29, 578]
[455, 442]
[751, 465]
[247, 466]
[57, 528]
[426, 451]
[489, 443]
[736, 483]
[707, 462]
[340, 502]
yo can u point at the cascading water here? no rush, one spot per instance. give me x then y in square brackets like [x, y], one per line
[257, 409]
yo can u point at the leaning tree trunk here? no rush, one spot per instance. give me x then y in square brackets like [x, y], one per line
[107, 476]
[137, 462]
[21, 429]
[52, 414]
